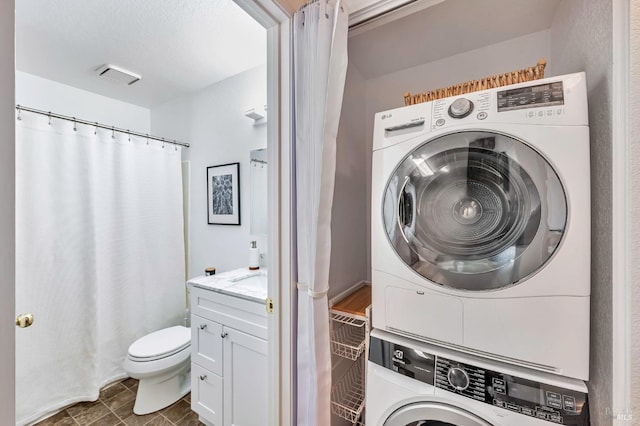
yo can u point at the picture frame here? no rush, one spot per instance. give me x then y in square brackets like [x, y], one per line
[223, 194]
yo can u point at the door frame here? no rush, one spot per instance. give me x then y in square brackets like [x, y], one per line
[7, 211]
[281, 289]
[621, 228]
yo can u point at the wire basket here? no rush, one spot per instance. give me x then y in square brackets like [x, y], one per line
[347, 396]
[348, 341]
[520, 76]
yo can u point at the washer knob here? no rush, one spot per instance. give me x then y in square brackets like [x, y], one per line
[458, 378]
[460, 108]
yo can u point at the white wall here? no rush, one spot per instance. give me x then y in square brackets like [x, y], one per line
[213, 122]
[349, 216]
[581, 37]
[634, 128]
[387, 91]
[7, 212]
[47, 95]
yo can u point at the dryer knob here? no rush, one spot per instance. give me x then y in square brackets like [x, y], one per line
[460, 108]
[458, 378]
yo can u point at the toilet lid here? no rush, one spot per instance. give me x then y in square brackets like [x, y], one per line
[161, 343]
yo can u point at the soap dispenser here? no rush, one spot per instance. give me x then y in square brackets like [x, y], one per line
[254, 257]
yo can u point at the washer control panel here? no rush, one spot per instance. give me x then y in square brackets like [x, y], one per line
[472, 106]
[526, 397]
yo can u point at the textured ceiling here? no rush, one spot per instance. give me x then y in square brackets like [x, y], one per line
[178, 46]
[443, 30]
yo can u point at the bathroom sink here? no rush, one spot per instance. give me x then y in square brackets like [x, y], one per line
[253, 284]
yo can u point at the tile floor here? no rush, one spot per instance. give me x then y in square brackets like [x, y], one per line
[115, 407]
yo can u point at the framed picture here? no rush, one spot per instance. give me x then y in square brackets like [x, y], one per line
[223, 194]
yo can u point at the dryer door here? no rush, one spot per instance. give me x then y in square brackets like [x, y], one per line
[433, 414]
[475, 210]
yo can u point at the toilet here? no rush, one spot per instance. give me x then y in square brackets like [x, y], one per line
[162, 362]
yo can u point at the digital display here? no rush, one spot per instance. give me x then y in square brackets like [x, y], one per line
[542, 95]
[525, 393]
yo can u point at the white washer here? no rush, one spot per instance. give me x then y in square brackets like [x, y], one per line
[412, 383]
[481, 223]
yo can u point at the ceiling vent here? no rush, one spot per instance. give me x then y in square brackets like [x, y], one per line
[117, 75]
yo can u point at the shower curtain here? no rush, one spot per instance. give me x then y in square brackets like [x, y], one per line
[100, 256]
[320, 65]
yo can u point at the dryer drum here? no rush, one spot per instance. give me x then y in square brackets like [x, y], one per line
[475, 210]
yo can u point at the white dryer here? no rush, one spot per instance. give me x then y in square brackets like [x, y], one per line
[411, 383]
[481, 224]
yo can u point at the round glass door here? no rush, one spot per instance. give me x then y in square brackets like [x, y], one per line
[475, 210]
[433, 414]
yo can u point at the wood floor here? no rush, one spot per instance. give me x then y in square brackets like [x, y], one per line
[115, 407]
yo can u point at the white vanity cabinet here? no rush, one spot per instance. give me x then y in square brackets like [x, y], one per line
[228, 358]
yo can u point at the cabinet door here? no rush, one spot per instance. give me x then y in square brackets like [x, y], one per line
[245, 379]
[206, 344]
[206, 394]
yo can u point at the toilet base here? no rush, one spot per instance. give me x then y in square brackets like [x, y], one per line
[156, 393]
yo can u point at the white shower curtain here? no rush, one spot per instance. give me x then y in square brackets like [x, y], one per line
[320, 66]
[100, 256]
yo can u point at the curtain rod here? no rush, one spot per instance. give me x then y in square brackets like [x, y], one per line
[101, 126]
[255, 160]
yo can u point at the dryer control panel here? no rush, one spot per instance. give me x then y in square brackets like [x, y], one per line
[506, 391]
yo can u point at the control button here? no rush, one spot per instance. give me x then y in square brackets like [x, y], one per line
[498, 403]
[559, 111]
[569, 403]
[528, 411]
[440, 122]
[482, 115]
[398, 354]
[513, 407]
[530, 114]
[555, 418]
[498, 382]
[458, 378]
[460, 108]
[500, 389]
[554, 400]
[541, 415]
[549, 112]
[540, 113]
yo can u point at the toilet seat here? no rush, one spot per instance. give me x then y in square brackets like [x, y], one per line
[160, 344]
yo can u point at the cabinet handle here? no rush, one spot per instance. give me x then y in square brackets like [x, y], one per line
[203, 377]
[224, 334]
[203, 326]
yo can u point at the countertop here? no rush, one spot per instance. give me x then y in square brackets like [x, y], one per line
[243, 283]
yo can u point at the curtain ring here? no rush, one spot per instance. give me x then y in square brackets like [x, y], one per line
[19, 112]
[129, 133]
[113, 132]
[95, 131]
[162, 143]
[147, 139]
[49, 118]
[75, 125]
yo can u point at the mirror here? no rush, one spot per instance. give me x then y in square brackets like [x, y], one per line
[258, 177]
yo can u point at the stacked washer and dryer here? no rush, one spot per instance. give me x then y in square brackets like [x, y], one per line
[481, 259]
